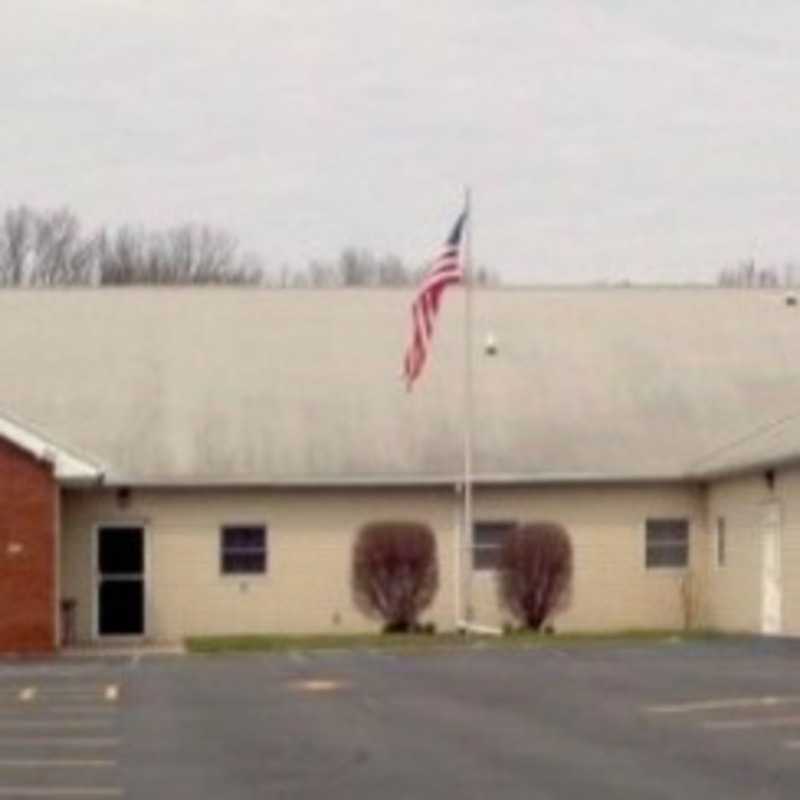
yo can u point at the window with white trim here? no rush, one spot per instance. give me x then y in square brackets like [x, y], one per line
[487, 541]
[243, 550]
[667, 543]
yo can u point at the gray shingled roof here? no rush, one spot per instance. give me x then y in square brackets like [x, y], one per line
[240, 386]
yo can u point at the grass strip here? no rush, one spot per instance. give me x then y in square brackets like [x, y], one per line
[400, 641]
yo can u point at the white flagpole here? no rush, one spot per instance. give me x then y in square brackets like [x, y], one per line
[464, 567]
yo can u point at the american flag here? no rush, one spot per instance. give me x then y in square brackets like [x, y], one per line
[447, 268]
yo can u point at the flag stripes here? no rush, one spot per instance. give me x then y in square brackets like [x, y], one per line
[446, 269]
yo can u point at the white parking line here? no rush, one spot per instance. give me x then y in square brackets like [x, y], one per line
[51, 741]
[381, 654]
[44, 689]
[27, 694]
[297, 657]
[112, 693]
[750, 724]
[26, 723]
[721, 704]
[36, 763]
[48, 671]
[60, 791]
[41, 694]
[42, 709]
[792, 744]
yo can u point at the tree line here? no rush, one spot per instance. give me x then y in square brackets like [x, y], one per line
[51, 248]
[746, 275]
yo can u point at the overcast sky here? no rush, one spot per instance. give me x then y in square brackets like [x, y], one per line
[603, 140]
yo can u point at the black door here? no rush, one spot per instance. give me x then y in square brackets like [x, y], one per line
[120, 562]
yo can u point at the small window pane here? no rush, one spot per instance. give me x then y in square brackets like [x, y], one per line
[486, 558]
[666, 556]
[665, 536]
[121, 551]
[490, 535]
[487, 539]
[243, 562]
[667, 543]
[244, 537]
[244, 549]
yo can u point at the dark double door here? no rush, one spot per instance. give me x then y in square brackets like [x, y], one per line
[120, 581]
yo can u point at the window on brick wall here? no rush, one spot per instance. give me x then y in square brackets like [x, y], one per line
[243, 550]
[487, 540]
[667, 543]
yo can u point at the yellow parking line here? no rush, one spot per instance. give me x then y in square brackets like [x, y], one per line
[721, 704]
[750, 724]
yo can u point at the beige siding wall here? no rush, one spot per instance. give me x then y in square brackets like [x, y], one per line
[310, 536]
[307, 585]
[733, 595]
[612, 587]
[735, 589]
[788, 486]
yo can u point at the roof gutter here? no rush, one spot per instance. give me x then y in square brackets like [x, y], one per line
[387, 481]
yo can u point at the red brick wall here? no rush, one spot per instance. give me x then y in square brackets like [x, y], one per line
[28, 505]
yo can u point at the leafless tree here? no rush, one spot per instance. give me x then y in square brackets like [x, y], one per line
[322, 275]
[746, 275]
[356, 267]
[392, 272]
[16, 243]
[44, 248]
[188, 254]
[361, 267]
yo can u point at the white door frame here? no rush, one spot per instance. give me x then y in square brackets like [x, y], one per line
[96, 635]
[770, 582]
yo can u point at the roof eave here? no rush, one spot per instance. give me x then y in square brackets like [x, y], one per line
[734, 469]
[387, 481]
[68, 469]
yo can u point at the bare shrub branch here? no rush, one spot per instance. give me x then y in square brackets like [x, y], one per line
[395, 572]
[535, 576]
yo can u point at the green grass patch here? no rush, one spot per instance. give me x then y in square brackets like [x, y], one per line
[422, 642]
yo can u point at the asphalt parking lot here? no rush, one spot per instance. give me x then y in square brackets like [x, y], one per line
[660, 720]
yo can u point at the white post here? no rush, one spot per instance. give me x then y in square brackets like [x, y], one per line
[464, 565]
